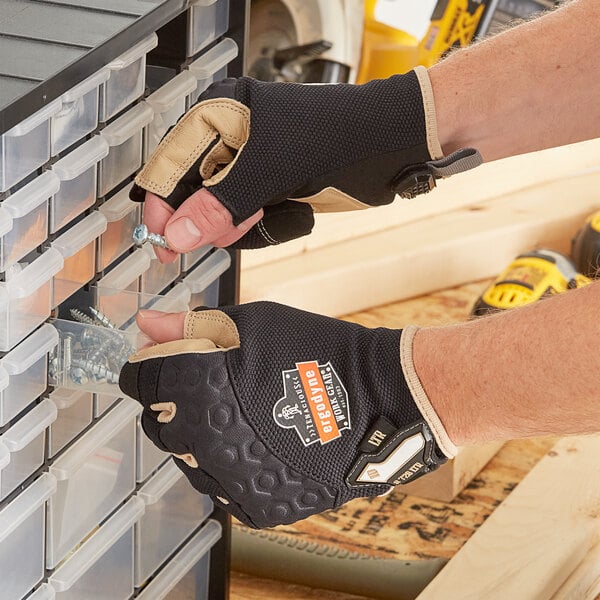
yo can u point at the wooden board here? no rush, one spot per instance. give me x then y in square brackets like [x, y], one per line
[423, 256]
[247, 587]
[472, 188]
[536, 539]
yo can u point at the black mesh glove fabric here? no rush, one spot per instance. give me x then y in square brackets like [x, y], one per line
[279, 414]
[294, 148]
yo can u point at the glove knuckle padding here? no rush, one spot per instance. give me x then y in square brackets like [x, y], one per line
[213, 428]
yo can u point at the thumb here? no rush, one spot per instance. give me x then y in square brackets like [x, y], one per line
[200, 220]
[161, 327]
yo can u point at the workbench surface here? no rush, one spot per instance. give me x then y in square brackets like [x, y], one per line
[400, 526]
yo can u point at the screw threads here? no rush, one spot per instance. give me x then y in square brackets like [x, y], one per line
[81, 317]
[102, 318]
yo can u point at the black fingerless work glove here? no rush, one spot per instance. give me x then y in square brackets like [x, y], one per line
[279, 414]
[294, 148]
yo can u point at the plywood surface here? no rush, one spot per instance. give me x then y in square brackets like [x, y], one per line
[247, 587]
[537, 538]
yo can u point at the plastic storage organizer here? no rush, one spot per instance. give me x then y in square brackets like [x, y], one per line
[26, 218]
[83, 491]
[212, 66]
[77, 173]
[127, 79]
[173, 512]
[78, 114]
[96, 472]
[22, 533]
[26, 147]
[125, 140]
[26, 298]
[122, 216]
[26, 443]
[208, 19]
[26, 369]
[77, 246]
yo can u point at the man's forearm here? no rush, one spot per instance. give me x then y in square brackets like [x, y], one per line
[532, 87]
[530, 371]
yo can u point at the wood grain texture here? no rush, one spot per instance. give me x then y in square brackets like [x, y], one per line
[472, 188]
[247, 587]
[536, 539]
[423, 256]
[584, 582]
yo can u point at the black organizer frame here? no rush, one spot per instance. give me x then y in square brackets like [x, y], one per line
[174, 12]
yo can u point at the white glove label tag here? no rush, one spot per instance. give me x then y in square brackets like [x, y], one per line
[315, 403]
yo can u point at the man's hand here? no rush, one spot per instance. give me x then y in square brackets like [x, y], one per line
[249, 163]
[279, 414]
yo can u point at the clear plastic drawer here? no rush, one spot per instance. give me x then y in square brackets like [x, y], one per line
[78, 248]
[102, 402]
[114, 291]
[78, 115]
[125, 139]
[148, 457]
[22, 538]
[26, 369]
[28, 209]
[77, 173]
[203, 281]
[127, 79]
[94, 476]
[122, 215]
[174, 509]
[212, 66]
[169, 103]
[208, 19]
[74, 416]
[26, 147]
[26, 299]
[191, 259]
[26, 443]
[102, 567]
[159, 275]
[44, 592]
[89, 358]
[187, 573]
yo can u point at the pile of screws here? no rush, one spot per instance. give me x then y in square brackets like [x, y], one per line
[96, 354]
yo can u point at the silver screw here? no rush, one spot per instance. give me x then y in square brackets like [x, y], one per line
[98, 371]
[67, 351]
[141, 235]
[102, 318]
[80, 316]
[79, 376]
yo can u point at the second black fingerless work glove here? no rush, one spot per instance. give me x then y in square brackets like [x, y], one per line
[279, 414]
[294, 148]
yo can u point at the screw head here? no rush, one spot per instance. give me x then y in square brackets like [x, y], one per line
[79, 376]
[140, 234]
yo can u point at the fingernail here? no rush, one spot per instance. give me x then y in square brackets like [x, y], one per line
[183, 234]
[150, 314]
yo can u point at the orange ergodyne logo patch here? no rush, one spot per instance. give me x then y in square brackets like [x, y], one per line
[315, 403]
[318, 402]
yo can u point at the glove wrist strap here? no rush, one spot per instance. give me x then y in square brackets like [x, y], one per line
[430, 416]
[433, 143]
